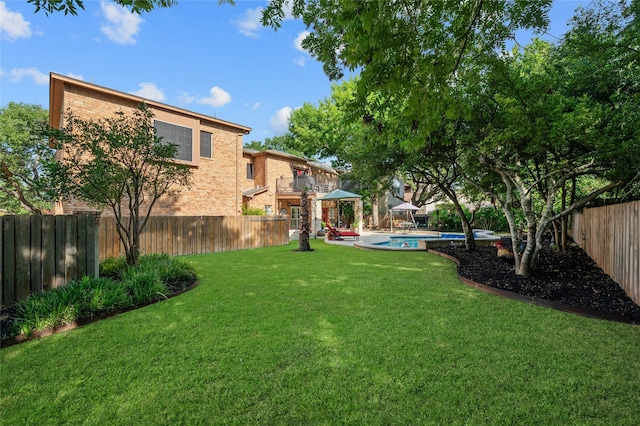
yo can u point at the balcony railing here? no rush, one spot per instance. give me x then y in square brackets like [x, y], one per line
[312, 183]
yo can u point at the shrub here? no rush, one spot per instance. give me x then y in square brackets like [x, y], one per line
[252, 211]
[446, 218]
[490, 218]
[120, 286]
[144, 286]
[113, 267]
[494, 219]
[53, 308]
[105, 295]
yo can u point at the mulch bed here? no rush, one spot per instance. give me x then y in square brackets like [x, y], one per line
[569, 278]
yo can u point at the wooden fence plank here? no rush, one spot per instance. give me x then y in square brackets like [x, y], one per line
[48, 252]
[23, 257]
[71, 252]
[9, 270]
[81, 241]
[36, 253]
[611, 237]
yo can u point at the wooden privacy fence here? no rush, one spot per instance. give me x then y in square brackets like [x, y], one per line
[611, 237]
[178, 235]
[42, 252]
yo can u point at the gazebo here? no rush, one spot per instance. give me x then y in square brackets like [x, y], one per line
[341, 195]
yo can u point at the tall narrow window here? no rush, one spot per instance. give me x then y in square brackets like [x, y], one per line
[249, 171]
[178, 135]
[206, 149]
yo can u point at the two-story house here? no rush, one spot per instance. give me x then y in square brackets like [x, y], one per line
[225, 175]
[275, 180]
[210, 146]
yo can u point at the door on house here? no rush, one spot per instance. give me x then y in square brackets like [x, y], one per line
[295, 217]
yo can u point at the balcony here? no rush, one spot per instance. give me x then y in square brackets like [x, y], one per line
[320, 183]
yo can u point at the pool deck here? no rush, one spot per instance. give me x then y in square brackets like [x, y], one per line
[369, 239]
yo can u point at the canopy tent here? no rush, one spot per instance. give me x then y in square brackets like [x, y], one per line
[338, 195]
[407, 208]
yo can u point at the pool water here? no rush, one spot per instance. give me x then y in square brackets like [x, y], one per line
[412, 241]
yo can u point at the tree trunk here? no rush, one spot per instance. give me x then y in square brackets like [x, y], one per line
[528, 257]
[374, 212]
[132, 258]
[469, 239]
[303, 240]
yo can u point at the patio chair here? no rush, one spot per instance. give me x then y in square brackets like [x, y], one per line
[339, 234]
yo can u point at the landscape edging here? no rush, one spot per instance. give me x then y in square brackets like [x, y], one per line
[84, 321]
[535, 300]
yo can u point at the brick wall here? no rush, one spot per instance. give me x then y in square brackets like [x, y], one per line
[215, 189]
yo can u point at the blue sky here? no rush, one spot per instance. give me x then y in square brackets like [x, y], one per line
[215, 60]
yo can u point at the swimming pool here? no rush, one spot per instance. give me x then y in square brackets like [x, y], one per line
[411, 242]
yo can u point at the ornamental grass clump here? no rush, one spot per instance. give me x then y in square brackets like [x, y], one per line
[120, 287]
[144, 286]
[48, 310]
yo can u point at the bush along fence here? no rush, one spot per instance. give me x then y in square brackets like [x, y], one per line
[42, 252]
[611, 237]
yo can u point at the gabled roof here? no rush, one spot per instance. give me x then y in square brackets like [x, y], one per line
[315, 164]
[255, 191]
[56, 99]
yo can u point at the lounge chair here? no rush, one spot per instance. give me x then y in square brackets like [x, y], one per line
[339, 234]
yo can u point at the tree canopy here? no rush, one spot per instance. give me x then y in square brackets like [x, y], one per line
[543, 129]
[23, 151]
[72, 7]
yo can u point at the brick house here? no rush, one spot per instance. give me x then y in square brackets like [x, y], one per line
[225, 176]
[275, 180]
[212, 147]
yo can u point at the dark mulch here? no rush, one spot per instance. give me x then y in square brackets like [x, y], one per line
[571, 278]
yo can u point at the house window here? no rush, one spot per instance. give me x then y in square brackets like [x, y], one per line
[205, 145]
[178, 135]
[249, 171]
[268, 210]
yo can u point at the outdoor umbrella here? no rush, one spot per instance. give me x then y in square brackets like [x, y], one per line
[339, 194]
[407, 207]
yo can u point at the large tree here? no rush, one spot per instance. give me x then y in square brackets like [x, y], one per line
[410, 59]
[118, 163]
[538, 138]
[23, 151]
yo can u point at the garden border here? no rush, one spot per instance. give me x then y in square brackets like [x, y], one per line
[84, 321]
[535, 300]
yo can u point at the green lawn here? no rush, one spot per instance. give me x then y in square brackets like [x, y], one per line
[334, 336]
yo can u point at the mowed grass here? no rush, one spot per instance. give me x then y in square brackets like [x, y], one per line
[333, 336]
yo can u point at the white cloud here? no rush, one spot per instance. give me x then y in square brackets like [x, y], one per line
[122, 24]
[300, 61]
[149, 91]
[297, 43]
[280, 121]
[253, 107]
[185, 97]
[217, 99]
[250, 24]
[77, 77]
[12, 25]
[16, 75]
